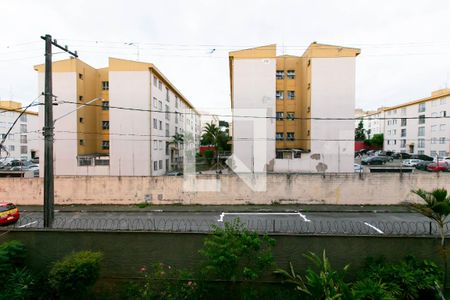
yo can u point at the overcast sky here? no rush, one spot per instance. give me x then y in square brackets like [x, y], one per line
[405, 45]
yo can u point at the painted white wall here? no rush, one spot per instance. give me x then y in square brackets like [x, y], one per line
[130, 154]
[333, 96]
[254, 94]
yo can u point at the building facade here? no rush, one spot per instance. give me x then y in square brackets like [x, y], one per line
[120, 120]
[420, 126]
[308, 103]
[22, 142]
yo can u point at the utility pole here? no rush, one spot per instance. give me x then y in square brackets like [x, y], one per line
[49, 192]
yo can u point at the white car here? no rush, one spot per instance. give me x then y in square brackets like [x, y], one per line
[411, 162]
[440, 158]
[358, 168]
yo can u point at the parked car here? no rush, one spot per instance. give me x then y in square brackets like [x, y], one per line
[175, 173]
[423, 165]
[422, 157]
[442, 158]
[370, 152]
[358, 168]
[374, 160]
[438, 167]
[411, 162]
[401, 155]
[9, 213]
[390, 153]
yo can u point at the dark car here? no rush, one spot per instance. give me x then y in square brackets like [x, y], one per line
[374, 160]
[422, 157]
[9, 213]
[401, 155]
[423, 165]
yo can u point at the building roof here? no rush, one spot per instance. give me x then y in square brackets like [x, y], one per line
[8, 105]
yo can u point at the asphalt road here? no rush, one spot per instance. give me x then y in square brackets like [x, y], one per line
[345, 223]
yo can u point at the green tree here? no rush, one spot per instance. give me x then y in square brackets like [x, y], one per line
[376, 140]
[177, 140]
[213, 135]
[360, 132]
[436, 208]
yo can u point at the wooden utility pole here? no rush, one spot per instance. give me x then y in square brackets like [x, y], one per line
[49, 192]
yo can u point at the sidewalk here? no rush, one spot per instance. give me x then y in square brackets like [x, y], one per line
[225, 208]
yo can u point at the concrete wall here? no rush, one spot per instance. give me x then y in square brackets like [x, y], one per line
[181, 249]
[284, 188]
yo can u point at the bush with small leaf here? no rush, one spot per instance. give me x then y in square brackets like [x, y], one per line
[75, 274]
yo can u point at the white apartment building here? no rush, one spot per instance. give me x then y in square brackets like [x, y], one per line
[128, 129]
[302, 99]
[421, 126]
[22, 141]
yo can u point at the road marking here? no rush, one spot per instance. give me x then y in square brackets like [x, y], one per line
[374, 228]
[222, 215]
[28, 224]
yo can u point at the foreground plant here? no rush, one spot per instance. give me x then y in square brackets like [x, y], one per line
[436, 208]
[323, 283]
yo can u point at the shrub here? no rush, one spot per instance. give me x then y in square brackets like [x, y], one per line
[12, 255]
[323, 283]
[20, 284]
[75, 274]
[234, 253]
[371, 289]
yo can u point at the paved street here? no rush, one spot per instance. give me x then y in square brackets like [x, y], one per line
[366, 223]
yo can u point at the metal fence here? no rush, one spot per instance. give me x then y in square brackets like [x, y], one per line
[195, 225]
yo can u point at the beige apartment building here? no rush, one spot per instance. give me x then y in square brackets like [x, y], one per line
[303, 97]
[118, 120]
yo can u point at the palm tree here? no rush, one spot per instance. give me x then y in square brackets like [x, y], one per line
[210, 134]
[177, 140]
[436, 208]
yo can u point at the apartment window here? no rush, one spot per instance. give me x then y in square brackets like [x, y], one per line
[442, 140]
[403, 133]
[160, 145]
[403, 111]
[23, 128]
[422, 119]
[155, 165]
[80, 98]
[105, 125]
[23, 149]
[421, 131]
[433, 140]
[280, 95]
[23, 139]
[280, 115]
[443, 101]
[105, 85]
[105, 145]
[155, 81]
[155, 102]
[12, 148]
[421, 107]
[280, 74]
[420, 152]
[23, 118]
[167, 129]
[176, 118]
[279, 136]
[388, 132]
[434, 128]
[155, 145]
[291, 74]
[176, 129]
[81, 120]
[290, 116]
[308, 133]
[290, 136]
[279, 154]
[309, 62]
[421, 143]
[291, 95]
[176, 102]
[105, 105]
[442, 127]
[402, 143]
[160, 105]
[81, 142]
[167, 95]
[155, 123]
[160, 164]
[394, 131]
[80, 76]
[433, 153]
[160, 85]
[443, 113]
[160, 125]
[442, 153]
[167, 113]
